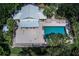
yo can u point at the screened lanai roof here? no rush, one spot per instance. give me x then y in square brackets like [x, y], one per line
[29, 11]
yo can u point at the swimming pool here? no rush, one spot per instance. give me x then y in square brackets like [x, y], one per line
[54, 29]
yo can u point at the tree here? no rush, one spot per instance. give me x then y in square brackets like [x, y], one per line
[56, 39]
[68, 10]
[49, 11]
[75, 51]
[1, 51]
[11, 24]
[9, 35]
[27, 51]
[75, 27]
[1, 36]
[6, 12]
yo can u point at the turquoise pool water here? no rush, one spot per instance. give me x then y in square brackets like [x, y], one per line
[54, 29]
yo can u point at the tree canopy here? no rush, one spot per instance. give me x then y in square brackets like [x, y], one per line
[70, 11]
[49, 11]
[6, 12]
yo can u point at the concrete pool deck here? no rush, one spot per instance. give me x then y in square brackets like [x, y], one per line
[54, 22]
[28, 37]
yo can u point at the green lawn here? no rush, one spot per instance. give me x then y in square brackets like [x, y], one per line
[15, 51]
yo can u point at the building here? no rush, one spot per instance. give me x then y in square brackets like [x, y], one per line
[31, 30]
[28, 32]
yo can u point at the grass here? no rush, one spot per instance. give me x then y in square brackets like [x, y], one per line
[15, 51]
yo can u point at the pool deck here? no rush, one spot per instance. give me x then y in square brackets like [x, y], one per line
[28, 37]
[54, 22]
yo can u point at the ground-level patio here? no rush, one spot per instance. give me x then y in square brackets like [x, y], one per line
[27, 37]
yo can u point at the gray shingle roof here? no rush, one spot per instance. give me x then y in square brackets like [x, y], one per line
[29, 11]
